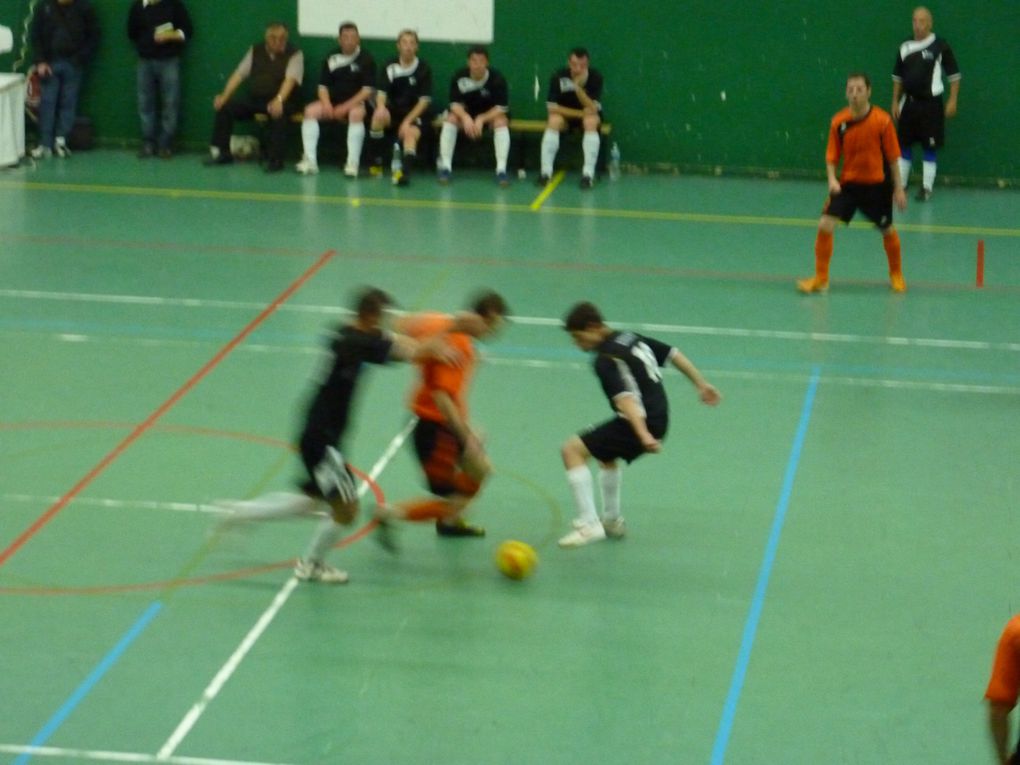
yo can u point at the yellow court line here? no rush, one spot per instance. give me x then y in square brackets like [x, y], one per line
[649, 215]
[550, 187]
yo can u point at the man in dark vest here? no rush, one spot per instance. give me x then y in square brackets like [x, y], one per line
[274, 70]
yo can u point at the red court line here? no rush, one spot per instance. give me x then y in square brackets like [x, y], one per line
[149, 421]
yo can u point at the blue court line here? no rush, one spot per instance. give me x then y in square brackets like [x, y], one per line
[722, 737]
[89, 683]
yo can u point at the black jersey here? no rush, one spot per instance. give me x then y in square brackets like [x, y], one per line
[920, 65]
[405, 86]
[563, 92]
[331, 404]
[479, 96]
[344, 75]
[626, 362]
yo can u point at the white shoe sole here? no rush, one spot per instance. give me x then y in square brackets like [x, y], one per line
[582, 536]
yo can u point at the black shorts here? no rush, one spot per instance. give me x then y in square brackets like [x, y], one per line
[440, 454]
[923, 121]
[615, 439]
[872, 199]
[397, 116]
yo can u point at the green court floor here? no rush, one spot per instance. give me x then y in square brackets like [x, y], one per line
[815, 571]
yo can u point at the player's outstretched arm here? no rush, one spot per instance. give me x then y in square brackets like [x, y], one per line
[706, 391]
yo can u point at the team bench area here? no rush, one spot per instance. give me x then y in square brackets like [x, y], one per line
[523, 132]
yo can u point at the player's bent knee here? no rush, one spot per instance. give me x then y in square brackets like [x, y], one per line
[344, 512]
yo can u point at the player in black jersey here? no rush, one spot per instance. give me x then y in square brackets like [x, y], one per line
[329, 483]
[479, 96]
[573, 103]
[628, 367]
[346, 84]
[917, 97]
[403, 98]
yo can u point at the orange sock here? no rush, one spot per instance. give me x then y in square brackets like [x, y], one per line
[823, 254]
[427, 510]
[891, 242]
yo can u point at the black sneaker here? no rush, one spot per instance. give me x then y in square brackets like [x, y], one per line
[222, 159]
[274, 166]
[542, 181]
[923, 194]
[587, 182]
[458, 528]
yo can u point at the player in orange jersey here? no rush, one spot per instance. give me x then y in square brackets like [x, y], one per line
[448, 447]
[1003, 690]
[864, 137]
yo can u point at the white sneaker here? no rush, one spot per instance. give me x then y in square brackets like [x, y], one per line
[615, 528]
[41, 152]
[60, 148]
[351, 171]
[307, 167]
[317, 571]
[583, 534]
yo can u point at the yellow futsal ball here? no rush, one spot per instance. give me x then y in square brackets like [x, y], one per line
[516, 560]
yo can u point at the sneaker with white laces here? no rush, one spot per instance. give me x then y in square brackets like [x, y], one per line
[317, 571]
[615, 528]
[41, 152]
[583, 534]
[351, 171]
[307, 167]
[60, 148]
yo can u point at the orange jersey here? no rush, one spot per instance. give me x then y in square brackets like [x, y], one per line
[865, 144]
[1004, 687]
[435, 376]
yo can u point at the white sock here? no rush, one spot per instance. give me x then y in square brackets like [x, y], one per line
[355, 142]
[447, 143]
[550, 145]
[501, 141]
[580, 482]
[904, 170]
[279, 504]
[928, 174]
[590, 145]
[327, 532]
[610, 481]
[310, 139]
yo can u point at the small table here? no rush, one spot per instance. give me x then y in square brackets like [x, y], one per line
[12, 119]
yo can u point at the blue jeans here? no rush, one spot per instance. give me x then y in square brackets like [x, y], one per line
[58, 101]
[159, 79]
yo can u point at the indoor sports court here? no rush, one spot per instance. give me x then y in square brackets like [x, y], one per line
[816, 570]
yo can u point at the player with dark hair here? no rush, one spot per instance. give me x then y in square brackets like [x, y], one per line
[479, 96]
[917, 97]
[864, 137]
[573, 104]
[346, 84]
[330, 484]
[402, 99]
[628, 367]
[449, 449]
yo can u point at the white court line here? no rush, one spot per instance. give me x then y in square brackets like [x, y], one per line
[104, 756]
[540, 321]
[119, 504]
[210, 693]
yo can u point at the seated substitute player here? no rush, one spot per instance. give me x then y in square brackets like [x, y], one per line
[346, 84]
[402, 99]
[448, 447]
[330, 483]
[917, 97]
[864, 136]
[1003, 690]
[628, 367]
[573, 103]
[479, 96]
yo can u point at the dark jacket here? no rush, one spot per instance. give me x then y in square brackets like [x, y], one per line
[144, 20]
[62, 31]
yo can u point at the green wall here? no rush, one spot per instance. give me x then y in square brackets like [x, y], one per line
[781, 65]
